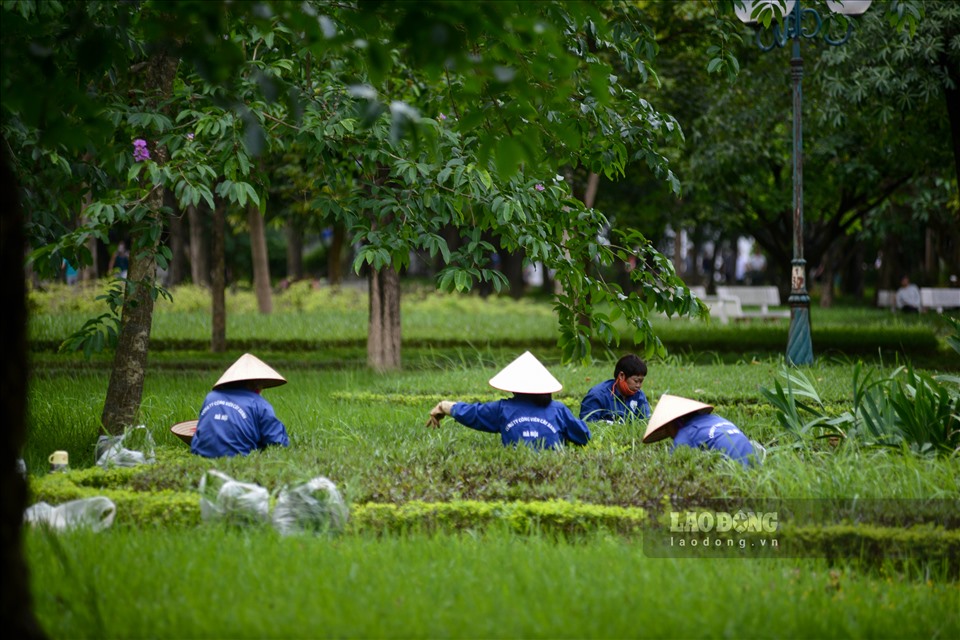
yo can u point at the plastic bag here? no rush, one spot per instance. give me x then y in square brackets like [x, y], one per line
[313, 507]
[223, 498]
[759, 450]
[134, 447]
[93, 513]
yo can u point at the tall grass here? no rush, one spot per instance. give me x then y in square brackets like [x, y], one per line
[366, 432]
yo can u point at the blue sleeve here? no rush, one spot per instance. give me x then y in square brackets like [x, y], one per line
[643, 405]
[592, 406]
[574, 429]
[482, 416]
[272, 431]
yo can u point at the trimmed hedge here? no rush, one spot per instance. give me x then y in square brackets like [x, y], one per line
[552, 516]
[867, 545]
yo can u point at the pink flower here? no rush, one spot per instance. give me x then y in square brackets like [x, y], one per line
[140, 151]
[442, 116]
[190, 136]
[539, 187]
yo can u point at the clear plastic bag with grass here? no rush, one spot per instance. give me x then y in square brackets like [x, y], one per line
[312, 507]
[133, 448]
[226, 499]
[95, 514]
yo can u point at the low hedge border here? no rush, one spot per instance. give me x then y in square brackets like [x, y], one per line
[902, 548]
[865, 341]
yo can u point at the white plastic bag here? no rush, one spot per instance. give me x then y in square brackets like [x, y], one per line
[760, 451]
[134, 447]
[94, 513]
[223, 498]
[313, 507]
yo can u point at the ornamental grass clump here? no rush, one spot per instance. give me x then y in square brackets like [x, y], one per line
[906, 409]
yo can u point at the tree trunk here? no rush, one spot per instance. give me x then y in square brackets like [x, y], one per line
[199, 257]
[826, 282]
[383, 333]
[589, 197]
[678, 250]
[294, 251]
[125, 390]
[335, 255]
[590, 194]
[89, 273]
[710, 268]
[16, 601]
[930, 255]
[890, 270]
[218, 279]
[856, 272]
[178, 247]
[511, 265]
[261, 266]
[952, 97]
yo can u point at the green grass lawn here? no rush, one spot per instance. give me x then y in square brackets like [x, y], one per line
[161, 572]
[217, 583]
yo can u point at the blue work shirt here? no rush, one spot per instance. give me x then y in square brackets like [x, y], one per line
[522, 420]
[236, 422]
[710, 431]
[603, 402]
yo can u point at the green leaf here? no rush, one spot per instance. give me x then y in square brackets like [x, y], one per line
[508, 157]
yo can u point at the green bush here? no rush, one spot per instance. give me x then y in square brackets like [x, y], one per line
[907, 408]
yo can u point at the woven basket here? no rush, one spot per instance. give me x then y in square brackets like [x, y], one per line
[185, 430]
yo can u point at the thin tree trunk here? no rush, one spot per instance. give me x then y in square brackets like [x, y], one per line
[590, 194]
[826, 281]
[294, 251]
[857, 274]
[89, 272]
[261, 266]
[383, 333]
[678, 250]
[218, 280]
[511, 265]
[889, 276]
[178, 247]
[335, 255]
[199, 260]
[952, 97]
[125, 390]
[930, 255]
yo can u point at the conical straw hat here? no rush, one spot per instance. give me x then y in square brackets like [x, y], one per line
[669, 408]
[525, 375]
[185, 430]
[250, 367]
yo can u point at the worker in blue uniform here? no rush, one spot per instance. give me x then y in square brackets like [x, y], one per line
[235, 419]
[693, 424]
[619, 398]
[531, 416]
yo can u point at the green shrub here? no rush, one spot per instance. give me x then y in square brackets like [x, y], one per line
[907, 408]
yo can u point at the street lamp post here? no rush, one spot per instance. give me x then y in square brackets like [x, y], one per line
[798, 23]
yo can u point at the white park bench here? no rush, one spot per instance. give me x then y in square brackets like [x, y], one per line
[762, 297]
[887, 299]
[721, 308]
[939, 298]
